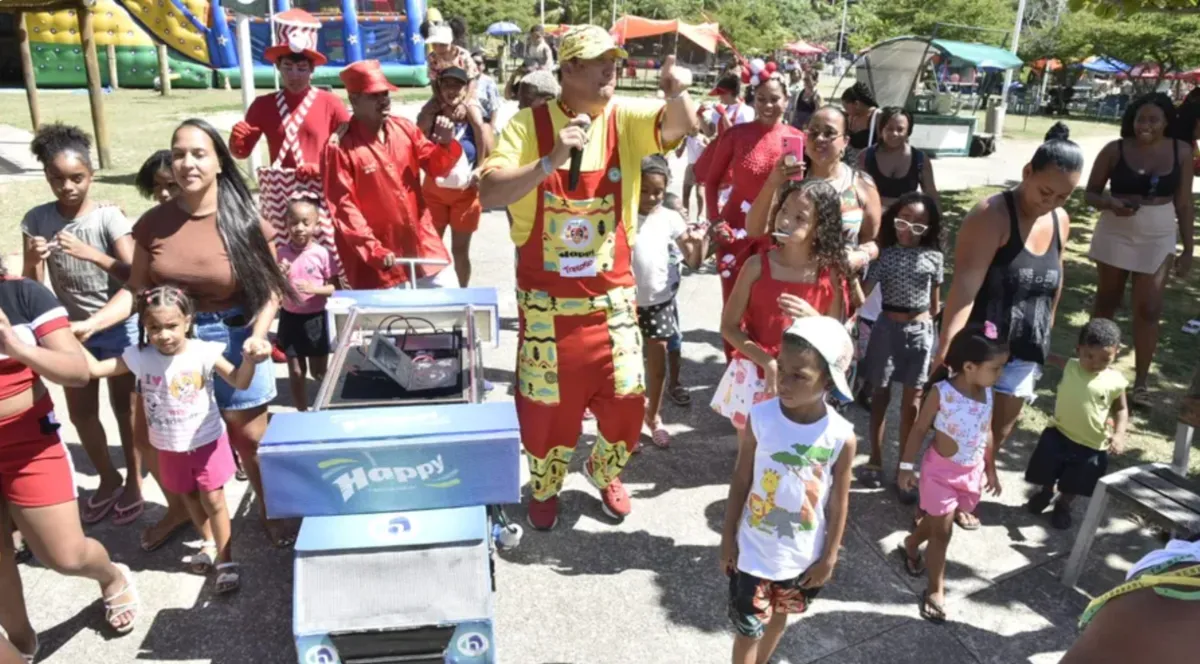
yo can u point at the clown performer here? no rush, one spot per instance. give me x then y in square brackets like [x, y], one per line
[298, 121]
[373, 168]
[579, 340]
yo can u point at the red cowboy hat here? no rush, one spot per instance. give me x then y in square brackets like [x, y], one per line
[295, 34]
[366, 77]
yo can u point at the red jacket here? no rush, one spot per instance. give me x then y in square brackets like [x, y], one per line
[325, 115]
[373, 189]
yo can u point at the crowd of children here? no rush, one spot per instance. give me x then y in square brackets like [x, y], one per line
[787, 319]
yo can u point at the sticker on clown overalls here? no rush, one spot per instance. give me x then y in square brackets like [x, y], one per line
[614, 174]
[579, 260]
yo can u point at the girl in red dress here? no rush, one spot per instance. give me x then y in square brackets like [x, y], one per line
[804, 272]
[747, 152]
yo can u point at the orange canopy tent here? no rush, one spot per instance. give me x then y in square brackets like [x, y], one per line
[705, 35]
[801, 47]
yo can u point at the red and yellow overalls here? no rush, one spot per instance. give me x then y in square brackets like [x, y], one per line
[579, 341]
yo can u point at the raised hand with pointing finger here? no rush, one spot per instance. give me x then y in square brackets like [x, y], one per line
[673, 80]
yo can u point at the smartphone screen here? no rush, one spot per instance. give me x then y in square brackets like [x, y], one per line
[794, 146]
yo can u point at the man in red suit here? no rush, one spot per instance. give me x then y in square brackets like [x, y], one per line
[372, 174]
[297, 122]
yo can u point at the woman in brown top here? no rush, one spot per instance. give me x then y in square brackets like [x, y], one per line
[210, 241]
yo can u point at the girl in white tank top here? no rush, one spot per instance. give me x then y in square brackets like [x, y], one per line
[960, 463]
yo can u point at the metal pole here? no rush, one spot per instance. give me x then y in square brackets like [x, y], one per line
[842, 32]
[590, 5]
[1008, 74]
[542, 10]
[614, 17]
[246, 64]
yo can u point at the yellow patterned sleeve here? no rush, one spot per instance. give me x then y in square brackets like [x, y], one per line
[517, 146]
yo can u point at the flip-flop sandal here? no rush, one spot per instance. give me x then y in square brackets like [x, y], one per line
[113, 610]
[964, 520]
[22, 554]
[915, 567]
[871, 477]
[661, 438]
[931, 610]
[1192, 326]
[202, 562]
[1140, 397]
[123, 516]
[166, 537]
[31, 657]
[280, 540]
[94, 512]
[228, 579]
[680, 396]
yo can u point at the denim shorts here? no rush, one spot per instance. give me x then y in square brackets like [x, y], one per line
[232, 328]
[112, 342]
[1019, 379]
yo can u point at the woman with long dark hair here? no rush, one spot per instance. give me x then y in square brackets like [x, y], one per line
[1147, 210]
[210, 241]
[37, 491]
[1008, 271]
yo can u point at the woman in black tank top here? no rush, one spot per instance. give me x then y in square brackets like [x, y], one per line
[897, 167]
[1149, 209]
[1008, 271]
[806, 102]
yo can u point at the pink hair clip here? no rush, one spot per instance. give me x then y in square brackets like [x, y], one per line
[990, 331]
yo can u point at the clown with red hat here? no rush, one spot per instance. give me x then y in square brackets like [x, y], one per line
[297, 122]
[372, 174]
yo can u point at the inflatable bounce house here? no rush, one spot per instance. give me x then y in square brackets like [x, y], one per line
[200, 37]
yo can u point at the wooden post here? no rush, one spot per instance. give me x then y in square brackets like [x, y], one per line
[113, 81]
[87, 39]
[164, 70]
[35, 114]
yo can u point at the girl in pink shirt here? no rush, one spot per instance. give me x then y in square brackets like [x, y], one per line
[303, 330]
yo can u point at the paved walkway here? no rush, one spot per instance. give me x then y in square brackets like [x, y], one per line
[649, 589]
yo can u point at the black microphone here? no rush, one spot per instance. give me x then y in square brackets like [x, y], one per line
[583, 122]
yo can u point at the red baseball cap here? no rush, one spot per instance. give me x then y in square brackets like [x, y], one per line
[366, 77]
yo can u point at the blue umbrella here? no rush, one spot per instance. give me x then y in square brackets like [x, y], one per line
[503, 29]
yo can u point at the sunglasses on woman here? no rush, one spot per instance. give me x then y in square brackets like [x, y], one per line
[915, 229]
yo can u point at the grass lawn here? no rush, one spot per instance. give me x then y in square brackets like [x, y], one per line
[139, 123]
[1152, 433]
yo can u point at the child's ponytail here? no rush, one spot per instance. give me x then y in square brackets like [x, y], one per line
[976, 343]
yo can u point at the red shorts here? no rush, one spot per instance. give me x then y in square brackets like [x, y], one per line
[457, 208]
[35, 466]
[206, 468]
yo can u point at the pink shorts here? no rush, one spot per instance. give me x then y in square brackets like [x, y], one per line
[205, 468]
[947, 486]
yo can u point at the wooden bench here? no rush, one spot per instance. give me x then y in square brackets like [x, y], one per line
[1156, 490]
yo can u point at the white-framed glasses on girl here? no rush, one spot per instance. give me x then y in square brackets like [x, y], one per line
[915, 229]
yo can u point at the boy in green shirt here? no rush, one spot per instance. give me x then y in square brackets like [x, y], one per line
[1073, 450]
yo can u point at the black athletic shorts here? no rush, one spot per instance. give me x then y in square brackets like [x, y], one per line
[303, 335]
[1059, 460]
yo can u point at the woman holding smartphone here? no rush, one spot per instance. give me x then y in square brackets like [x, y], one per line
[1148, 208]
[748, 152]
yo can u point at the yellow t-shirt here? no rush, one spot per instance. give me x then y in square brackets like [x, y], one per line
[1084, 401]
[638, 133]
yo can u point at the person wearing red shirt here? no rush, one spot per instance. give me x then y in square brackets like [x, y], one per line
[372, 175]
[297, 122]
[747, 152]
